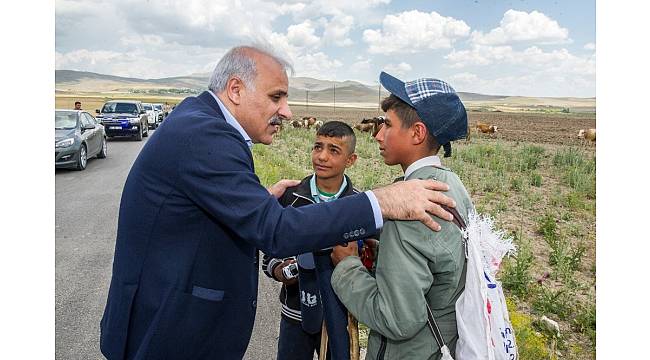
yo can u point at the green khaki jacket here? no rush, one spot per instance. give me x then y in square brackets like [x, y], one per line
[413, 264]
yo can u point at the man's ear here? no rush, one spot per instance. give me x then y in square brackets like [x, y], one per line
[234, 87]
[419, 133]
[351, 160]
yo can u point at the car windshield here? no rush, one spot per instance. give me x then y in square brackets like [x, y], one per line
[65, 120]
[147, 107]
[117, 107]
[158, 107]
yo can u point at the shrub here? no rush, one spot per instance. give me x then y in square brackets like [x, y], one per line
[535, 179]
[554, 301]
[515, 276]
[585, 320]
[530, 157]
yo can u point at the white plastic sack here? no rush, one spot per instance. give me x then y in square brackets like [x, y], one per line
[484, 329]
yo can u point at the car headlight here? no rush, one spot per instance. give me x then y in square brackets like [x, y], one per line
[134, 120]
[64, 143]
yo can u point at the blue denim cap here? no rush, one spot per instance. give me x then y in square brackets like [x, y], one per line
[435, 102]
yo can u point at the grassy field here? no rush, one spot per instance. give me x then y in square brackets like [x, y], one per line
[534, 176]
[543, 194]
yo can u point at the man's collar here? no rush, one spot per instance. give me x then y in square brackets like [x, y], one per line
[232, 121]
[433, 160]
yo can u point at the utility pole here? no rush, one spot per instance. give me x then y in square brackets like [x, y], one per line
[379, 100]
[334, 99]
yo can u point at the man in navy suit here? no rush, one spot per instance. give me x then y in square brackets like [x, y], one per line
[193, 215]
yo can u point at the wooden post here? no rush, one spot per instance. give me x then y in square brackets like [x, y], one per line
[322, 353]
[353, 330]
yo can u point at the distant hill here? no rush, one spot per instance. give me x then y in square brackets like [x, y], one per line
[320, 91]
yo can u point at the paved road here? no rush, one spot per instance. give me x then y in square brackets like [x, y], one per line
[87, 204]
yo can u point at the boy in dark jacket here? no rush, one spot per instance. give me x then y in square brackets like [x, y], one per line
[332, 153]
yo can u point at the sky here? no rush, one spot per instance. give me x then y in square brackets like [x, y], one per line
[528, 48]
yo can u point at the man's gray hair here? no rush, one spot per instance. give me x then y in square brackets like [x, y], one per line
[239, 62]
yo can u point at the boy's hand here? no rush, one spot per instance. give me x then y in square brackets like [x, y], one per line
[369, 252]
[279, 275]
[342, 251]
[281, 186]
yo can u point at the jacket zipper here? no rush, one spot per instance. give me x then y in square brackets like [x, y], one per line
[382, 348]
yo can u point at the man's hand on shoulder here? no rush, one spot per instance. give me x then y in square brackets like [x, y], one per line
[281, 186]
[415, 200]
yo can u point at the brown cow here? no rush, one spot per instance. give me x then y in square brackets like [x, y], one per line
[365, 127]
[308, 121]
[587, 134]
[485, 128]
[296, 123]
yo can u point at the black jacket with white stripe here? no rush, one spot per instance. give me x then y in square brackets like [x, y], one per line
[296, 196]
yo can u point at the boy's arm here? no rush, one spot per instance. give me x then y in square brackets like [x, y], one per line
[269, 264]
[393, 302]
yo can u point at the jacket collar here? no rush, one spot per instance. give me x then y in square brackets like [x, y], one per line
[207, 98]
[303, 190]
[211, 99]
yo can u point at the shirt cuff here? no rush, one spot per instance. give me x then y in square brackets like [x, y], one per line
[376, 210]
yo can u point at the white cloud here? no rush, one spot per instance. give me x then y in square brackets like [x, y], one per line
[518, 26]
[317, 65]
[532, 58]
[399, 69]
[415, 31]
[302, 35]
[361, 65]
[337, 30]
[463, 78]
[590, 46]
[528, 84]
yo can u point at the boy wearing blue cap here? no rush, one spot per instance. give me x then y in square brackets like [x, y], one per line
[415, 268]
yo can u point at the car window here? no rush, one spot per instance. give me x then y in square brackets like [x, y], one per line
[158, 107]
[85, 121]
[90, 119]
[147, 107]
[65, 120]
[117, 107]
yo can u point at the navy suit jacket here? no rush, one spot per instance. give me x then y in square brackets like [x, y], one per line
[193, 215]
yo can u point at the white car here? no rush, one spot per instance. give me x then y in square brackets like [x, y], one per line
[160, 108]
[152, 115]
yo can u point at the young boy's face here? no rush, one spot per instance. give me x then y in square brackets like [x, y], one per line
[393, 140]
[330, 156]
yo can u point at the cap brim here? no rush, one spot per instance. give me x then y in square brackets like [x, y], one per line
[394, 86]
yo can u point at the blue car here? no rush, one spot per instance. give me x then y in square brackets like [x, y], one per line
[124, 118]
[78, 137]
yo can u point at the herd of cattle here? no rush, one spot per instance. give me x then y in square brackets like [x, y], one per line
[372, 126]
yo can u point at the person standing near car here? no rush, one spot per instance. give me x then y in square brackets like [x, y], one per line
[193, 215]
[77, 105]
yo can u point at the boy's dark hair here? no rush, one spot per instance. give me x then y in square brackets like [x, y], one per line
[408, 115]
[339, 129]
[77, 102]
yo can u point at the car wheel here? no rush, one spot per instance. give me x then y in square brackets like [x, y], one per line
[139, 136]
[104, 151]
[82, 159]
